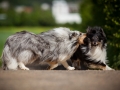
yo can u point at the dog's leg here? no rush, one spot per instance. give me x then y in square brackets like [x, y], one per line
[53, 64]
[65, 64]
[12, 65]
[22, 66]
[108, 68]
[76, 64]
[101, 67]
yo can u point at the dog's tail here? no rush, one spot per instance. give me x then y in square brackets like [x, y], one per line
[4, 66]
[8, 62]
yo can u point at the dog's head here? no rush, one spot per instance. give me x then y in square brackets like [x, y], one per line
[79, 35]
[96, 36]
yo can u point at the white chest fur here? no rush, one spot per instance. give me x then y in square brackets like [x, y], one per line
[97, 54]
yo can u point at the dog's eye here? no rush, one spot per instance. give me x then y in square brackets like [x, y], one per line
[72, 35]
[80, 33]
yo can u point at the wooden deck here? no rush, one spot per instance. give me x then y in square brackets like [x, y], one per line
[59, 80]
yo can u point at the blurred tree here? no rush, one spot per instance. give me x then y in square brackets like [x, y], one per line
[46, 19]
[92, 14]
[9, 17]
[26, 2]
[104, 13]
[36, 17]
[2, 21]
[112, 27]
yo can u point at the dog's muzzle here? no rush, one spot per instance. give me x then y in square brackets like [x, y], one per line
[94, 43]
[81, 38]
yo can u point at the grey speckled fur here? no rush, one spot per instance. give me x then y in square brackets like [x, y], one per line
[55, 46]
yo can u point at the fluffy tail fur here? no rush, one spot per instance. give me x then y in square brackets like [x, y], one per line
[8, 62]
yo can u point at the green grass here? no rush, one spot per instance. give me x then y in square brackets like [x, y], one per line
[5, 32]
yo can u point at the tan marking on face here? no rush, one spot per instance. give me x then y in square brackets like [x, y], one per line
[81, 38]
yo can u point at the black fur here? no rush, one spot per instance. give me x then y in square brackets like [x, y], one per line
[95, 37]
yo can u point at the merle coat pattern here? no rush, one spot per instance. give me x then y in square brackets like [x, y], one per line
[54, 47]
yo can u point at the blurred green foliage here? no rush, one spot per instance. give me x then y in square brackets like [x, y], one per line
[37, 17]
[104, 13]
[112, 27]
[92, 14]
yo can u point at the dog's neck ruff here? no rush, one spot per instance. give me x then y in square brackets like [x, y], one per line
[96, 54]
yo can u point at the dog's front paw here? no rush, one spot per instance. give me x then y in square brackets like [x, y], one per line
[108, 68]
[25, 68]
[71, 68]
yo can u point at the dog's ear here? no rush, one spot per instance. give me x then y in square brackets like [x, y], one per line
[73, 34]
[104, 42]
[103, 33]
[88, 29]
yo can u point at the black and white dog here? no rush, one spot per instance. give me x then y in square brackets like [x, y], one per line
[92, 54]
[54, 47]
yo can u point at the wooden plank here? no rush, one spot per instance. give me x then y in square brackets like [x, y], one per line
[59, 80]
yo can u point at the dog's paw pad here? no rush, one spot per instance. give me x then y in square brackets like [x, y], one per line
[71, 68]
